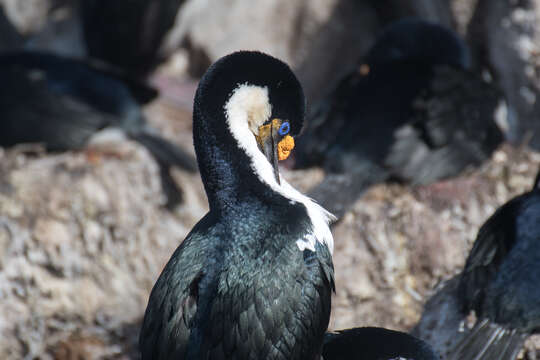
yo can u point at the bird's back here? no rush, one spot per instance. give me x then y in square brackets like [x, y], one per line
[241, 289]
[513, 297]
[500, 282]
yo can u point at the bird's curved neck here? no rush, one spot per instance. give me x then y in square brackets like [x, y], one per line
[234, 171]
[230, 169]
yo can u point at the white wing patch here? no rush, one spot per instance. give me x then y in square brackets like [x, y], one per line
[248, 108]
[308, 242]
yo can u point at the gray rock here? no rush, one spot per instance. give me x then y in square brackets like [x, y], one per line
[506, 39]
[27, 16]
[82, 239]
[10, 38]
[320, 39]
[61, 34]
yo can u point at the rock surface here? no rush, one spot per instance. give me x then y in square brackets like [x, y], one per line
[302, 33]
[83, 237]
[9, 36]
[27, 16]
[506, 39]
[307, 34]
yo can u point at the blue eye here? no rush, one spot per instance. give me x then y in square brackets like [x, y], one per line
[284, 128]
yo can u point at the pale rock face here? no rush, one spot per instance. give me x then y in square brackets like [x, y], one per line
[305, 34]
[28, 16]
[507, 40]
[81, 243]
[9, 36]
[321, 40]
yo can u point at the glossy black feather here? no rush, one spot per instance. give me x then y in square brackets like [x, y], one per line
[239, 287]
[500, 280]
[371, 343]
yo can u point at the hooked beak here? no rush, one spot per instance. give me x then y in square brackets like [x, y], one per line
[274, 146]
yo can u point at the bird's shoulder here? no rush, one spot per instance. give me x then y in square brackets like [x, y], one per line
[497, 236]
[513, 297]
[494, 245]
[173, 300]
[259, 291]
[263, 310]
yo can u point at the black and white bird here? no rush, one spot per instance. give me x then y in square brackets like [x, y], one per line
[253, 279]
[61, 102]
[128, 34]
[499, 283]
[372, 343]
[411, 111]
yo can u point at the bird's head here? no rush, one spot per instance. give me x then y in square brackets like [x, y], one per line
[261, 101]
[248, 107]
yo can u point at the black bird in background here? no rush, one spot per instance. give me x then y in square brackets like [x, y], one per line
[131, 35]
[61, 102]
[128, 34]
[253, 279]
[371, 343]
[500, 282]
[410, 112]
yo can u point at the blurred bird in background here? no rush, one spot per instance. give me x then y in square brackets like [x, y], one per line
[128, 37]
[368, 343]
[499, 283]
[61, 102]
[85, 70]
[411, 111]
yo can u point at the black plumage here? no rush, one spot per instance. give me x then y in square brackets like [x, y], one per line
[130, 33]
[371, 343]
[61, 102]
[500, 281]
[239, 286]
[412, 112]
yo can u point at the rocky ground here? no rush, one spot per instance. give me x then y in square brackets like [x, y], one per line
[84, 235]
[398, 243]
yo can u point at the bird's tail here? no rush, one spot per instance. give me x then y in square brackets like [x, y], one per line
[165, 152]
[488, 341]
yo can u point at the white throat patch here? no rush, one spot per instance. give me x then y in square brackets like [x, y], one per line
[248, 108]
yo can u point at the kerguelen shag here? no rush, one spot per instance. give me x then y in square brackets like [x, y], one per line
[411, 111]
[253, 279]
